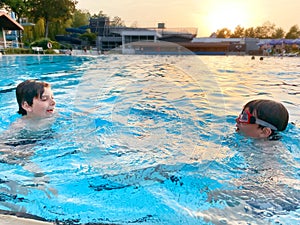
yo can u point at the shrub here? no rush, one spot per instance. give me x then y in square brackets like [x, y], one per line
[17, 51]
[90, 37]
[43, 42]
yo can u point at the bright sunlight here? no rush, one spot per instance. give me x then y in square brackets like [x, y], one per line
[227, 14]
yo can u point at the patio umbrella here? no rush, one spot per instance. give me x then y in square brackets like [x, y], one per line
[263, 42]
[288, 41]
[276, 42]
[296, 41]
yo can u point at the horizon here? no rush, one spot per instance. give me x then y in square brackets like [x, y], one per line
[207, 16]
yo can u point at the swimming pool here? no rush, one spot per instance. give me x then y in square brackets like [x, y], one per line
[151, 140]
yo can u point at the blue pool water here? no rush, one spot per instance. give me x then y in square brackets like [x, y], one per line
[151, 140]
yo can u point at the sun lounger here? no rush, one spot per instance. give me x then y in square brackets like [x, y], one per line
[38, 50]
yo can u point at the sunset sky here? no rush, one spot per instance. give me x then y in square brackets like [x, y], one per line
[206, 15]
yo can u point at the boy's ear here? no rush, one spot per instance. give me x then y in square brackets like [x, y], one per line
[26, 107]
[266, 131]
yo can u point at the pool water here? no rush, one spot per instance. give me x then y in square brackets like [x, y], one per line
[151, 140]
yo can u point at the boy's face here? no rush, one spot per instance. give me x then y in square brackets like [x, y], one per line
[41, 107]
[251, 130]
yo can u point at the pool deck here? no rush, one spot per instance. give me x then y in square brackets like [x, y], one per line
[14, 220]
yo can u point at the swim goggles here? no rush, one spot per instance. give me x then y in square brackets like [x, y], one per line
[247, 117]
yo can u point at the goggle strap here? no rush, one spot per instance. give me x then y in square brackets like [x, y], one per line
[265, 124]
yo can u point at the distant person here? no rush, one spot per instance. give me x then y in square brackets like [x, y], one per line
[262, 119]
[69, 51]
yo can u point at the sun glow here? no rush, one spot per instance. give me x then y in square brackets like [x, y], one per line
[227, 15]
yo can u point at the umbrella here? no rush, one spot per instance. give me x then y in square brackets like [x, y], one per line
[276, 42]
[288, 41]
[263, 42]
[296, 41]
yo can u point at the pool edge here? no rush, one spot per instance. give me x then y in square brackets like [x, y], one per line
[14, 220]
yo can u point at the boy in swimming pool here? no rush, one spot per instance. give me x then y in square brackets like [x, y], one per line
[262, 119]
[17, 144]
[35, 99]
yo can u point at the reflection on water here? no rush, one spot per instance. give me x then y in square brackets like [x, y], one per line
[151, 140]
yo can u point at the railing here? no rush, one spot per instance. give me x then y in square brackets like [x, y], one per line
[183, 31]
[11, 44]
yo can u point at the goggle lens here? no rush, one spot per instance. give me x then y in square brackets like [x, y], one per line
[247, 117]
[244, 117]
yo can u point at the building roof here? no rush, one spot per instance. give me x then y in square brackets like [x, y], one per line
[7, 23]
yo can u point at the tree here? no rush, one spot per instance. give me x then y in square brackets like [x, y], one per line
[39, 29]
[100, 14]
[250, 32]
[223, 33]
[238, 32]
[117, 22]
[279, 33]
[19, 7]
[59, 27]
[90, 38]
[80, 18]
[134, 24]
[293, 33]
[265, 31]
[52, 11]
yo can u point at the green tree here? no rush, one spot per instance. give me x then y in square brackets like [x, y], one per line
[223, 33]
[293, 33]
[239, 32]
[52, 11]
[90, 38]
[58, 27]
[80, 18]
[19, 7]
[39, 29]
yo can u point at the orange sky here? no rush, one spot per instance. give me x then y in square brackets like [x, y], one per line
[206, 15]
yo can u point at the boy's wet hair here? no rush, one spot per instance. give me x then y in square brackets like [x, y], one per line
[270, 111]
[27, 91]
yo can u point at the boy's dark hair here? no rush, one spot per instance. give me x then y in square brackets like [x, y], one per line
[270, 111]
[27, 91]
